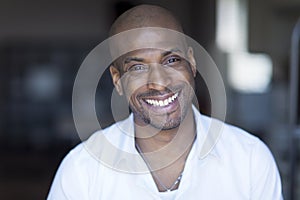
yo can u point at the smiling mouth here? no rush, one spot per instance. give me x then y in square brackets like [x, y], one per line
[162, 102]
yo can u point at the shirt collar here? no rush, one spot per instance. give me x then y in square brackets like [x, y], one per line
[209, 131]
[114, 148]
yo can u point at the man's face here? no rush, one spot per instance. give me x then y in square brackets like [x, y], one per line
[158, 83]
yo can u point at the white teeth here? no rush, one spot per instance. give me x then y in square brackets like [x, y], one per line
[166, 102]
[162, 102]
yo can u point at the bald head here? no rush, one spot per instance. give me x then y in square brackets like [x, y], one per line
[145, 16]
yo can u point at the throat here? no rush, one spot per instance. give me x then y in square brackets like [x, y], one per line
[166, 176]
[165, 137]
[165, 152]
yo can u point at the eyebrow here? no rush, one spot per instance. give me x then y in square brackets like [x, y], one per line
[171, 51]
[136, 59]
[130, 59]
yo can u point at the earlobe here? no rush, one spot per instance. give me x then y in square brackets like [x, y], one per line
[116, 77]
[192, 60]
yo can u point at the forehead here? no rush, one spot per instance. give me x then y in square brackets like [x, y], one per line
[145, 39]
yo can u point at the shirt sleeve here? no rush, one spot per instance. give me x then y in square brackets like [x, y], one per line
[264, 175]
[68, 183]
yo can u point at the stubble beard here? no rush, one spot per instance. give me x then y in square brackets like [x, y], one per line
[166, 121]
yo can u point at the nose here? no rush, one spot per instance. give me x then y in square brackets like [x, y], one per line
[159, 77]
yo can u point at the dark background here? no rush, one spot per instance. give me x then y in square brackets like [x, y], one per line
[43, 43]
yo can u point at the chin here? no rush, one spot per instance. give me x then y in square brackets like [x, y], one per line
[170, 124]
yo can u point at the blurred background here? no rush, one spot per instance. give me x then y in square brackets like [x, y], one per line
[43, 43]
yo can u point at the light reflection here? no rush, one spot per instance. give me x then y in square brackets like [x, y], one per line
[247, 73]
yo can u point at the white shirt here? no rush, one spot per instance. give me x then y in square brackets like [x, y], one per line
[225, 164]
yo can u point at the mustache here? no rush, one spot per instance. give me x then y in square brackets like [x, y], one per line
[153, 92]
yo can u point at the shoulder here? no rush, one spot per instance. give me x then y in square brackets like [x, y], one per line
[255, 156]
[76, 157]
[77, 161]
[235, 143]
[69, 179]
[245, 143]
[237, 159]
[240, 137]
[228, 134]
[77, 172]
[83, 156]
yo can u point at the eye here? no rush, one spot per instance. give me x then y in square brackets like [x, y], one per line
[137, 67]
[172, 60]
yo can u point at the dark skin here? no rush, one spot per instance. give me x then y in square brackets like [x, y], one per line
[158, 84]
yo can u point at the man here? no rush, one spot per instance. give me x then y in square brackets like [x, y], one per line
[157, 153]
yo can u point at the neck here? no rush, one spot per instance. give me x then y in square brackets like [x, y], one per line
[165, 152]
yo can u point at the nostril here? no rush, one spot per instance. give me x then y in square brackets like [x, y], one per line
[158, 76]
[156, 86]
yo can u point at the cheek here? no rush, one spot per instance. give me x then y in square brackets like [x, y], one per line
[132, 84]
[191, 79]
[187, 76]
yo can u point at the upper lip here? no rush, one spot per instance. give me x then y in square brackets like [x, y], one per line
[160, 97]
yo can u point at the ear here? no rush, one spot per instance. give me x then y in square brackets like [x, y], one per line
[191, 58]
[116, 77]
